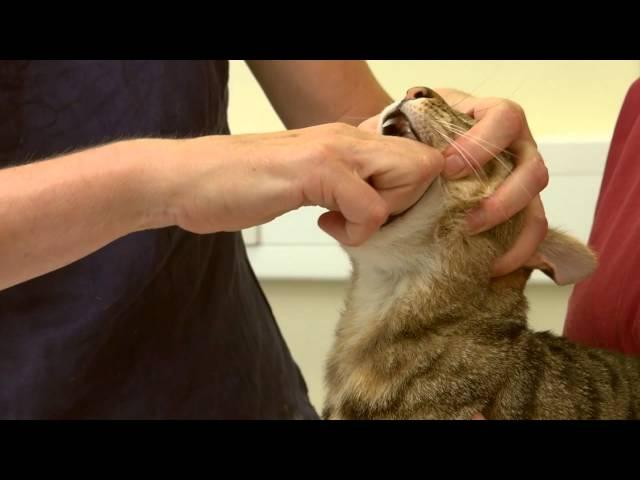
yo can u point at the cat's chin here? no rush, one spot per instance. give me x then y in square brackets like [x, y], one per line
[394, 218]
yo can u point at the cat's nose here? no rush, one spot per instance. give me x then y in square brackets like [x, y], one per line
[419, 92]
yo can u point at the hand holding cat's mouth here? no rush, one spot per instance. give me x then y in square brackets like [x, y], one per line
[397, 124]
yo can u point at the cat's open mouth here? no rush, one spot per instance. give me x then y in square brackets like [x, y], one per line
[397, 124]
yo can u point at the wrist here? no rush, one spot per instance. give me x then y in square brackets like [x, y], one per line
[218, 183]
[146, 177]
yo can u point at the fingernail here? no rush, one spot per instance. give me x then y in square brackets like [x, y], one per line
[476, 220]
[454, 166]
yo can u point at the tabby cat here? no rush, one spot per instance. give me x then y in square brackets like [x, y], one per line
[426, 333]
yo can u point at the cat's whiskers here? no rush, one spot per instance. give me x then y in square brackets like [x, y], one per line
[460, 149]
[464, 157]
[457, 129]
[461, 131]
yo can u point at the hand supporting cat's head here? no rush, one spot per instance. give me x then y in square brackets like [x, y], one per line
[433, 233]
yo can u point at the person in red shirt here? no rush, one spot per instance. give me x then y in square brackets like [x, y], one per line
[604, 310]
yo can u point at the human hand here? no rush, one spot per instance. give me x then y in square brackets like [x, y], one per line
[233, 182]
[502, 125]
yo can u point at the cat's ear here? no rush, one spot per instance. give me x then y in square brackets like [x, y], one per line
[563, 258]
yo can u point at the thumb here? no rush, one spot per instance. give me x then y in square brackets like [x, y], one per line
[370, 124]
[357, 212]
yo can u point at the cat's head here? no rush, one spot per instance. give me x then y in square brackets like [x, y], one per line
[433, 233]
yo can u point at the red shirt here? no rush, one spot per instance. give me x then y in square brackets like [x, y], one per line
[604, 310]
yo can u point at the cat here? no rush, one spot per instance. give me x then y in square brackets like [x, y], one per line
[426, 333]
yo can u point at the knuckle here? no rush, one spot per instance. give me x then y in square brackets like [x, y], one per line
[428, 165]
[496, 211]
[378, 213]
[513, 116]
[515, 107]
[436, 162]
[337, 128]
[327, 152]
[541, 172]
[539, 222]
[332, 145]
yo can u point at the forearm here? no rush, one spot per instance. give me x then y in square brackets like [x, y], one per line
[308, 93]
[57, 211]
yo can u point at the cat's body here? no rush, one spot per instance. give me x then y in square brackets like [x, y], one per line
[427, 334]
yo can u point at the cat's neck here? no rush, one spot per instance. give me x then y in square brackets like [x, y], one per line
[393, 301]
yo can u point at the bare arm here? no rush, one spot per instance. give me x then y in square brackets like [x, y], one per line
[307, 92]
[57, 211]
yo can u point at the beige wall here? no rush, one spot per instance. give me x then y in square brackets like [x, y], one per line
[575, 99]
[561, 98]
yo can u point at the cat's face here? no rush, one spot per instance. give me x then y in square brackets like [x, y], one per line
[438, 218]
[433, 235]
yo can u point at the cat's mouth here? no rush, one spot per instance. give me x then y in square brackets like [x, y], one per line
[397, 124]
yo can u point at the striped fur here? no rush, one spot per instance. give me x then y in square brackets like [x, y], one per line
[427, 334]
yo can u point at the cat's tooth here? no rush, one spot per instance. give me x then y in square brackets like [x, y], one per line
[390, 121]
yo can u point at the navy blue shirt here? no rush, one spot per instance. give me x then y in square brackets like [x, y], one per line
[158, 324]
